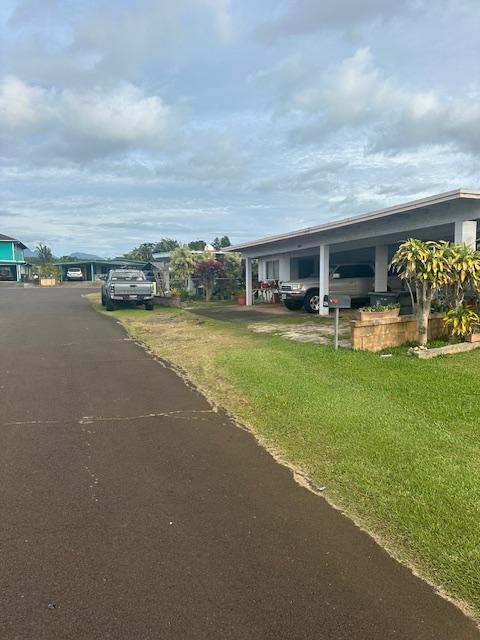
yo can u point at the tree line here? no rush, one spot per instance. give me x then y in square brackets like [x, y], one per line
[146, 250]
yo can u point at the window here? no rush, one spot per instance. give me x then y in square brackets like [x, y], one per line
[355, 271]
[308, 267]
[272, 269]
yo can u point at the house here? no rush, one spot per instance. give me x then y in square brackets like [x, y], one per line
[371, 238]
[12, 261]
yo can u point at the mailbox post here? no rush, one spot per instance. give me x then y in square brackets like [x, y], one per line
[337, 302]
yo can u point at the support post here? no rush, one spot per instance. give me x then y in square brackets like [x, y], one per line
[323, 289]
[381, 267]
[466, 233]
[248, 281]
[92, 271]
[17, 267]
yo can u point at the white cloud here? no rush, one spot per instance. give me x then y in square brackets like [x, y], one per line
[356, 94]
[123, 117]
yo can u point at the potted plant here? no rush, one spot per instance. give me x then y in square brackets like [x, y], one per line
[379, 312]
[463, 322]
[241, 297]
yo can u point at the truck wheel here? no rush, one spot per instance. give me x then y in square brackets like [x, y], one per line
[149, 305]
[312, 302]
[293, 305]
[109, 304]
[104, 302]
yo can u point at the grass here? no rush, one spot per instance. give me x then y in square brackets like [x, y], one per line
[396, 441]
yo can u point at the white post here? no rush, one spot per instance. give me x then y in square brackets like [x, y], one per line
[18, 272]
[248, 281]
[466, 233]
[381, 267]
[324, 277]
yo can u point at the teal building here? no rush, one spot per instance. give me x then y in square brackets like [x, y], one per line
[12, 262]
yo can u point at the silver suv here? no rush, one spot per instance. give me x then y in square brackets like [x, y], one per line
[354, 280]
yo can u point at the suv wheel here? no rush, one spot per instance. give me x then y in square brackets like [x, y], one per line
[312, 302]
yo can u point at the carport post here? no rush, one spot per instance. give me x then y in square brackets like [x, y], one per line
[92, 271]
[248, 281]
[381, 267]
[324, 276]
[466, 233]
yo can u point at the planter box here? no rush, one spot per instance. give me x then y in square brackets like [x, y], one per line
[472, 337]
[48, 282]
[377, 315]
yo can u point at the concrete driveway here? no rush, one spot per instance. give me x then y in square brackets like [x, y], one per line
[130, 510]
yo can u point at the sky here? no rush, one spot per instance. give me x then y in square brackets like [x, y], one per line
[125, 121]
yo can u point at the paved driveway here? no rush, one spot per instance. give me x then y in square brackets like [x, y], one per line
[130, 510]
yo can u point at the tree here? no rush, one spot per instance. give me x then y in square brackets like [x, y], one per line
[463, 264]
[422, 264]
[166, 244]
[207, 271]
[44, 253]
[143, 252]
[197, 245]
[221, 243]
[232, 263]
[182, 266]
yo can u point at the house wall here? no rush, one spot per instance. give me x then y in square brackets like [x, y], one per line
[6, 251]
[375, 335]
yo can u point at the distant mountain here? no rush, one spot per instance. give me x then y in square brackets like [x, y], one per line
[28, 253]
[84, 256]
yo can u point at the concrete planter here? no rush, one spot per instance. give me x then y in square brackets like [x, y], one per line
[377, 315]
[48, 282]
[472, 337]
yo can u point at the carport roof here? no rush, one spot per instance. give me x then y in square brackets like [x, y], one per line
[405, 207]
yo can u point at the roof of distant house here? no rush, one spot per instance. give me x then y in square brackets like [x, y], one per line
[4, 238]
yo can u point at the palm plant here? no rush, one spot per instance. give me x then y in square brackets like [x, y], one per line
[462, 321]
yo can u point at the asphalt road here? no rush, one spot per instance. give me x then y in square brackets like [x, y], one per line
[129, 510]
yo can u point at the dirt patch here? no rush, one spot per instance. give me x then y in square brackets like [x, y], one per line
[317, 333]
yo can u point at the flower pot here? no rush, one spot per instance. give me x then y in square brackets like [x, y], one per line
[242, 300]
[472, 337]
[378, 315]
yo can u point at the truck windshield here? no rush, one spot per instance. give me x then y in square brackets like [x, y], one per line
[128, 276]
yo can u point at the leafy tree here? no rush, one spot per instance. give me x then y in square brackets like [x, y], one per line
[44, 253]
[166, 244]
[197, 245]
[463, 265]
[143, 252]
[220, 243]
[207, 271]
[462, 320]
[424, 265]
[232, 263]
[182, 266]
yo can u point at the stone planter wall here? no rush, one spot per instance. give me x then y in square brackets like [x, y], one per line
[375, 335]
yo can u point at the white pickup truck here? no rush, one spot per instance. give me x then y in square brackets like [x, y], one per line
[127, 285]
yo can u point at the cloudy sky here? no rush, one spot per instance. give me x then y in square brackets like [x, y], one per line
[122, 121]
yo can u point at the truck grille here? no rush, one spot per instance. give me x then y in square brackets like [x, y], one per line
[285, 287]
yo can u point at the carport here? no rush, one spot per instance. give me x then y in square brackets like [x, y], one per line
[92, 269]
[370, 238]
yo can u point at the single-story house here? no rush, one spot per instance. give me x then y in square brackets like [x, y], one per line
[370, 238]
[12, 261]
[91, 269]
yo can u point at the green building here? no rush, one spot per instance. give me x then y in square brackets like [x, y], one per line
[12, 262]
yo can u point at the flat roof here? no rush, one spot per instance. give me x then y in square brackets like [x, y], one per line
[116, 262]
[352, 220]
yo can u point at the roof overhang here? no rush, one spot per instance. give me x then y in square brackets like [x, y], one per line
[411, 211]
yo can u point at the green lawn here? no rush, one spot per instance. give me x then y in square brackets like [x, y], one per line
[395, 441]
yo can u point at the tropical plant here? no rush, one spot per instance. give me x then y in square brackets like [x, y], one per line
[463, 264]
[207, 271]
[462, 321]
[380, 307]
[232, 263]
[182, 266]
[424, 265]
[44, 253]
